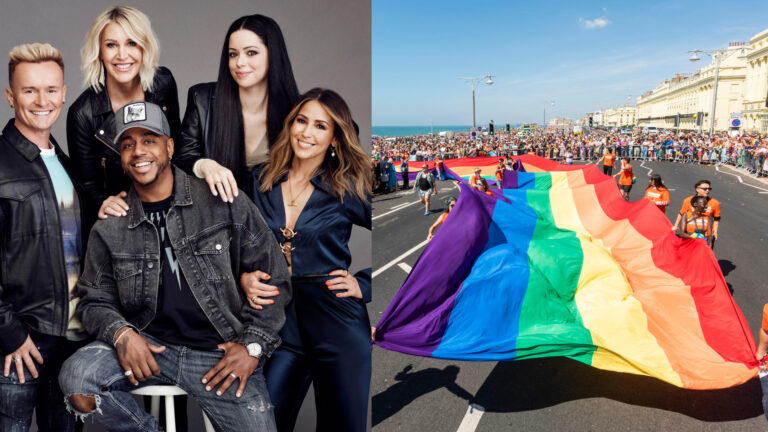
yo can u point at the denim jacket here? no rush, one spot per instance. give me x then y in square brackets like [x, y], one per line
[214, 241]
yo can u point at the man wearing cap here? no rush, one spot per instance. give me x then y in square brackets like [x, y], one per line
[160, 293]
[425, 183]
[43, 225]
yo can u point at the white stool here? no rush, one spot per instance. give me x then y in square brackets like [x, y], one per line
[168, 392]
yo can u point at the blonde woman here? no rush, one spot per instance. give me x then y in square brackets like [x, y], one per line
[120, 64]
[316, 185]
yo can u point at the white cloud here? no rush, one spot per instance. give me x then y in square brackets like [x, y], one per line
[594, 23]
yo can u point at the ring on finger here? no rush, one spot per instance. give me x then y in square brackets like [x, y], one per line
[17, 359]
[129, 372]
[254, 299]
[232, 374]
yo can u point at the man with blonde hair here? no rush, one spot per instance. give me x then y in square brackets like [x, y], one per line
[41, 243]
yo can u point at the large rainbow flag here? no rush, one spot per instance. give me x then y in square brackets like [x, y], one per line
[563, 266]
[459, 169]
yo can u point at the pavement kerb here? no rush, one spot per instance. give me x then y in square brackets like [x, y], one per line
[742, 171]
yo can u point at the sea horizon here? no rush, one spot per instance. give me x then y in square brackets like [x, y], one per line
[395, 131]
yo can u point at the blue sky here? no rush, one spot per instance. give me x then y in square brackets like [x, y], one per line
[583, 55]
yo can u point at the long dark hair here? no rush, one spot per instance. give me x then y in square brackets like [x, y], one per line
[227, 116]
[346, 172]
[655, 181]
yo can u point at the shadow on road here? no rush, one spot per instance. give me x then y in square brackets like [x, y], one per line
[388, 198]
[540, 383]
[726, 266]
[413, 385]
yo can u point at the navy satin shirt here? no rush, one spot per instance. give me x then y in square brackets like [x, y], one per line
[321, 242]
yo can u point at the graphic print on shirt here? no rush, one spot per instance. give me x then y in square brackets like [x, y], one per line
[173, 264]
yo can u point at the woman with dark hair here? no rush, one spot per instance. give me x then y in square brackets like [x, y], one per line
[231, 125]
[120, 63]
[316, 185]
[657, 193]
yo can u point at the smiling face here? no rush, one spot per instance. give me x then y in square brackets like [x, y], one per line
[146, 156]
[311, 133]
[122, 56]
[36, 94]
[248, 58]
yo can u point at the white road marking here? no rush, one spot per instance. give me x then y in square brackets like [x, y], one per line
[402, 206]
[399, 205]
[756, 187]
[471, 418]
[392, 211]
[650, 170]
[717, 168]
[406, 268]
[398, 259]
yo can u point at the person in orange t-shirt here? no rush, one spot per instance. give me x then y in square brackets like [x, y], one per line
[475, 180]
[625, 181]
[441, 219]
[762, 346]
[485, 188]
[657, 193]
[703, 188]
[499, 173]
[607, 159]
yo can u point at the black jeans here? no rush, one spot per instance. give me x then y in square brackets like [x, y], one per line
[18, 401]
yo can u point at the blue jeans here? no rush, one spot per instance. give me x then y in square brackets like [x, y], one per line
[95, 370]
[18, 401]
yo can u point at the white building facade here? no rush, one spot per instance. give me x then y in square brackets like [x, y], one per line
[685, 101]
[756, 84]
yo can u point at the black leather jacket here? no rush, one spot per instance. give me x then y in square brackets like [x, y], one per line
[196, 131]
[34, 293]
[91, 129]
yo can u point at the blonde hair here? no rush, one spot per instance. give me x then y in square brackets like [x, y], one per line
[33, 53]
[348, 172]
[137, 26]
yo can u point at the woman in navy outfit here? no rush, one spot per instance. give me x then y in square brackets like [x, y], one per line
[315, 186]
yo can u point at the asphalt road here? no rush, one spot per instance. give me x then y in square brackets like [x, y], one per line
[412, 393]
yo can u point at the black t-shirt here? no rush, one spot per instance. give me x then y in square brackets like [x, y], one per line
[179, 319]
[424, 182]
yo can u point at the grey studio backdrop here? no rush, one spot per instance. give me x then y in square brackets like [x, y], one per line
[329, 43]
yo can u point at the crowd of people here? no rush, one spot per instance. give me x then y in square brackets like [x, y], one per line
[184, 281]
[746, 151]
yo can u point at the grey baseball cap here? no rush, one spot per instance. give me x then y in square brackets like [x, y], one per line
[142, 115]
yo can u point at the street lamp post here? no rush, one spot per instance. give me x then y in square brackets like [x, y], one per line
[716, 54]
[473, 83]
[544, 126]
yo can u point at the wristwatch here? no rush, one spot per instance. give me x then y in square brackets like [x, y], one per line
[254, 350]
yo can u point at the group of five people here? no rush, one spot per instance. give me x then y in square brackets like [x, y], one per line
[184, 281]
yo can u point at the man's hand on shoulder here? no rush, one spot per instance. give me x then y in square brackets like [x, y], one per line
[236, 364]
[135, 355]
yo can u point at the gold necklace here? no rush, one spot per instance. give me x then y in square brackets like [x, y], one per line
[293, 198]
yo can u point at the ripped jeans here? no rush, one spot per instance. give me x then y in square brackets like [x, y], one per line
[95, 370]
